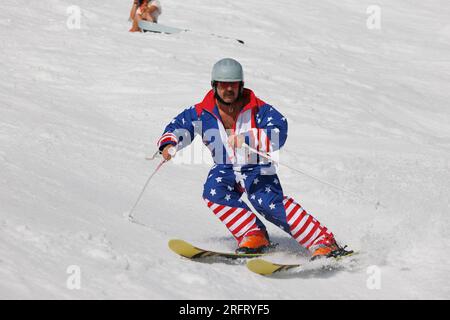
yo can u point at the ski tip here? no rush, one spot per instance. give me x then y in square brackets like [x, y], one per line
[177, 244]
[262, 267]
[183, 248]
[266, 268]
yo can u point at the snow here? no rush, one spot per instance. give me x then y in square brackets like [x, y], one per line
[80, 109]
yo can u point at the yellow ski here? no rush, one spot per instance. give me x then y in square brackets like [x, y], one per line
[264, 267]
[189, 251]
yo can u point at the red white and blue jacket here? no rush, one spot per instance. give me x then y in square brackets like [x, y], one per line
[263, 127]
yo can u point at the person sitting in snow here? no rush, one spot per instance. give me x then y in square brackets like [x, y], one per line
[148, 10]
[228, 116]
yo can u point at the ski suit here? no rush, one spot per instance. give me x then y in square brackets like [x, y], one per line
[236, 171]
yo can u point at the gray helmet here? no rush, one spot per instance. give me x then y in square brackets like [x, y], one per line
[227, 70]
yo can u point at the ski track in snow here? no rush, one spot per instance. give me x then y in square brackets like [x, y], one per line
[81, 109]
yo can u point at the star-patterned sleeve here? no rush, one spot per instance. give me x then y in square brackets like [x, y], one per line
[180, 131]
[274, 126]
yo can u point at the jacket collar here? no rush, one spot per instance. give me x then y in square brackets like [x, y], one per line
[209, 102]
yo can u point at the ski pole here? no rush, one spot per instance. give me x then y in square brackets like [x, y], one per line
[268, 157]
[130, 214]
[155, 155]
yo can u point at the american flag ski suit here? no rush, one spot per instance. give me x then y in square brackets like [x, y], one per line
[233, 174]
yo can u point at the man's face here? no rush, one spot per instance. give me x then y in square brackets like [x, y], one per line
[228, 91]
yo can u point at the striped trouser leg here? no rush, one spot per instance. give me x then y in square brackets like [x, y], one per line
[239, 221]
[305, 228]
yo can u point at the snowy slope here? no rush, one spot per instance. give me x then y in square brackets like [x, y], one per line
[80, 109]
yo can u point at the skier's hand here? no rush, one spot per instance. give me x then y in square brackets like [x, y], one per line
[236, 140]
[168, 152]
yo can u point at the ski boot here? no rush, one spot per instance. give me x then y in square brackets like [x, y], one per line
[332, 250]
[254, 242]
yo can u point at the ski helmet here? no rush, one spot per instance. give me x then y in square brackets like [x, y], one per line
[227, 70]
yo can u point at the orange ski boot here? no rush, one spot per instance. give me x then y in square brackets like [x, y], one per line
[331, 250]
[254, 242]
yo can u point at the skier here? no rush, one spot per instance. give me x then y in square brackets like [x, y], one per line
[229, 116]
[148, 10]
